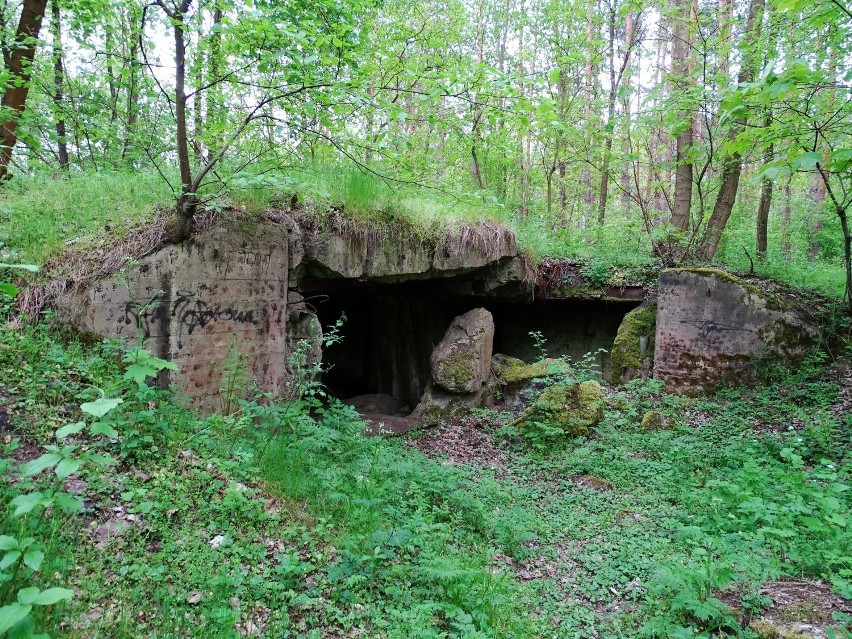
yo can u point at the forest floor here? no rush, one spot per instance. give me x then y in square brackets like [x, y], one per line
[284, 521]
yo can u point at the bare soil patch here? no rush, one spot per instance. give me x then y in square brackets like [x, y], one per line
[462, 441]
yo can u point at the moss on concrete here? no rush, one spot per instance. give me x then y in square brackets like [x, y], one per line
[626, 355]
[772, 302]
[575, 408]
[570, 290]
[788, 338]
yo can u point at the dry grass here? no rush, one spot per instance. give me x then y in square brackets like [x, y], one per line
[485, 240]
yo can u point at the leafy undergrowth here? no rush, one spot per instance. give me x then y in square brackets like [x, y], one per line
[144, 520]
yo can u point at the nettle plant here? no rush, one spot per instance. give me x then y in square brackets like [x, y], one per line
[39, 495]
[8, 290]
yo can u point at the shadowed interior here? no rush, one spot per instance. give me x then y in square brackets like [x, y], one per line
[390, 331]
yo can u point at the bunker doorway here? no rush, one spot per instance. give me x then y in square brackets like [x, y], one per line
[388, 333]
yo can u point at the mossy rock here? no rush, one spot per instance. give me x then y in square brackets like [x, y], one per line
[626, 358]
[769, 630]
[501, 363]
[575, 408]
[461, 362]
[656, 421]
[458, 369]
[515, 371]
[594, 482]
[437, 405]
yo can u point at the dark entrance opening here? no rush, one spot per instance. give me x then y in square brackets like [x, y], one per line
[390, 331]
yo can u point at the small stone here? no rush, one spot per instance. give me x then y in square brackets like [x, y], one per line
[656, 421]
[193, 598]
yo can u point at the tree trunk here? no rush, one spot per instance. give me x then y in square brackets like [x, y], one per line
[132, 104]
[786, 216]
[609, 131]
[764, 206]
[548, 176]
[726, 17]
[732, 165]
[817, 197]
[847, 252]
[198, 109]
[19, 68]
[180, 107]
[109, 45]
[841, 204]
[215, 114]
[475, 169]
[655, 138]
[631, 27]
[683, 171]
[58, 98]
[187, 203]
[591, 95]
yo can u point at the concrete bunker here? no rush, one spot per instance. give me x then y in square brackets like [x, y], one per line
[391, 329]
[240, 288]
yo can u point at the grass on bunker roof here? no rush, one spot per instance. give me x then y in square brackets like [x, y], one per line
[65, 221]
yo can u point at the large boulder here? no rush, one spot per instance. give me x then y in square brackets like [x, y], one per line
[461, 367]
[461, 362]
[575, 408]
[436, 405]
[714, 327]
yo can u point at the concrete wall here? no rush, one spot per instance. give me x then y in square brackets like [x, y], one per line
[222, 292]
[713, 327]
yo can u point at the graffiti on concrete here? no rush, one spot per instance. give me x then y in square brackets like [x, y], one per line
[708, 327]
[191, 313]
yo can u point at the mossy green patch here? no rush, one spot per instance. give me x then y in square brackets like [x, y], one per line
[501, 363]
[787, 337]
[626, 350]
[570, 290]
[767, 630]
[460, 367]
